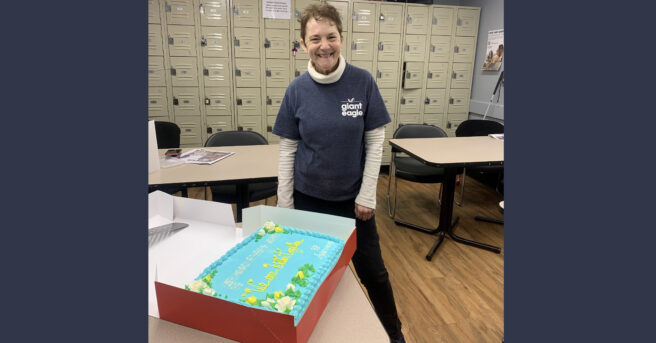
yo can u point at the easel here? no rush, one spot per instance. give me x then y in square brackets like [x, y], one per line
[499, 83]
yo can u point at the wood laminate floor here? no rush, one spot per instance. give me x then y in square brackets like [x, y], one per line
[458, 296]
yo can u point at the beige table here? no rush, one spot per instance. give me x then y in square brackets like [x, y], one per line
[451, 153]
[348, 317]
[248, 164]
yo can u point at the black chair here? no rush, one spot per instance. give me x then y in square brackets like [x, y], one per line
[477, 127]
[168, 137]
[230, 193]
[410, 169]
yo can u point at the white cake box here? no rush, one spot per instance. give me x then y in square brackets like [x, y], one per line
[179, 259]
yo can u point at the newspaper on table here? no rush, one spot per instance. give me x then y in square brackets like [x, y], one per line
[202, 156]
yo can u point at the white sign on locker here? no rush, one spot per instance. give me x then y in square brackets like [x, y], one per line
[276, 9]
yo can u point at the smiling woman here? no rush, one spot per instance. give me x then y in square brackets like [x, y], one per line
[322, 39]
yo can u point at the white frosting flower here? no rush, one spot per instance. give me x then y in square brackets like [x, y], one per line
[269, 226]
[289, 285]
[261, 232]
[197, 286]
[209, 291]
[270, 301]
[285, 303]
[266, 304]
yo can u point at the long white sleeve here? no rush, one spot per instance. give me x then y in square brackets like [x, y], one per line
[288, 149]
[373, 142]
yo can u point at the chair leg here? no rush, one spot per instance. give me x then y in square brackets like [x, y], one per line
[392, 172]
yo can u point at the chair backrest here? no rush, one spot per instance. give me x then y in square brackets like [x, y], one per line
[478, 127]
[168, 135]
[229, 138]
[418, 131]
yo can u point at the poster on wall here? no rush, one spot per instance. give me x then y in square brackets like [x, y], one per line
[276, 9]
[494, 52]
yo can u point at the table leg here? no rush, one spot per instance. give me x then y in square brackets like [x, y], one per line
[242, 199]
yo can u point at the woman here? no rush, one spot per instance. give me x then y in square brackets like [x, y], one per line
[331, 128]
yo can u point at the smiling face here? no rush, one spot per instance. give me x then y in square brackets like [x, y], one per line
[323, 43]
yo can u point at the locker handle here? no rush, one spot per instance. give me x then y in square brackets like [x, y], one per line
[238, 102]
[269, 128]
[427, 101]
[402, 101]
[456, 49]
[380, 46]
[209, 129]
[239, 128]
[201, 9]
[409, 20]
[382, 17]
[379, 74]
[167, 7]
[206, 72]
[236, 42]
[354, 46]
[237, 72]
[450, 100]
[171, 41]
[268, 100]
[297, 14]
[453, 76]
[173, 72]
[207, 101]
[434, 21]
[407, 75]
[407, 48]
[268, 73]
[432, 48]
[458, 22]
[235, 10]
[297, 73]
[430, 75]
[448, 125]
[267, 43]
[297, 44]
[175, 101]
[203, 41]
[355, 17]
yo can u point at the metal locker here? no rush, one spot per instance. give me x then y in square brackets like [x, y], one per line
[411, 102]
[415, 48]
[246, 13]
[153, 11]
[218, 101]
[366, 65]
[342, 9]
[182, 40]
[434, 102]
[277, 73]
[467, 22]
[218, 124]
[364, 17]
[387, 151]
[156, 73]
[186, 101]
[248, 102]
[247, 42]
[179, 12]
[389, 96]
[214, 41]
[440, 49]
[216, 72]
[155, 40]
[417, 20]
[413, 76]
[390, 19]
[247, 72]
[389, 47]
[300, 53]
[300, 67]
[434, 119]
[461, 75]
[299, 5]
[389, 132]
[158, 105]
[276, 43]
[213, 13]
[437, 75]
[464, 49]
[387, 75]
[442, 21]
[457, 116]
[190, 133]
[408, 118]
[270, 23]
[184, 71]
[458, 101]
[271, 121]
[274, 100]
[452, 124]
[249, 123]
[362, 46]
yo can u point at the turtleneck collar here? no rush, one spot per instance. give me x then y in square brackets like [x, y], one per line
[330, 78]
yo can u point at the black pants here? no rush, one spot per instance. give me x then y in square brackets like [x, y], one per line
[367, 259]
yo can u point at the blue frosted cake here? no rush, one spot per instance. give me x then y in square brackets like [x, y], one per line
[277, 268]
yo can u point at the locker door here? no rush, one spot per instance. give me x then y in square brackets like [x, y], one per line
[156, 74]
[219, 123]
[153, 11]
[157, 102]
[342, 8]
[216, 72]
[218, 101]
[389, 98]
[440, 49]
[247, 42]
[300, 53]
[213, 13]
[276, 43]
[186, 101]
[390, 19]
[417, 20]
[435, 119]
[247, 72]
[458, 101]
[246, 13]
[179, 12]
[364, 17]
[452, 126]
[214, 41]
[299, 5]
[270, 23]
[467, 22]
[273, 139]
[415, 48]
[434, 102]
[464, 49]
[366, 65]
[414, 75]
[184, 71]
[389, 47]
[362, 46]
[274, 100]
[442, 22]
[250, 123]
[248, 102]
[387, 75]
[182, 40]
[277, 73]
[437, 75]
[411, 102]
[461, 75]
[155, 40]
[300, 67]
[190, 133]
[408, 118]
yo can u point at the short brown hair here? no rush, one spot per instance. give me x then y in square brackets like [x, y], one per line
[319, 11]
